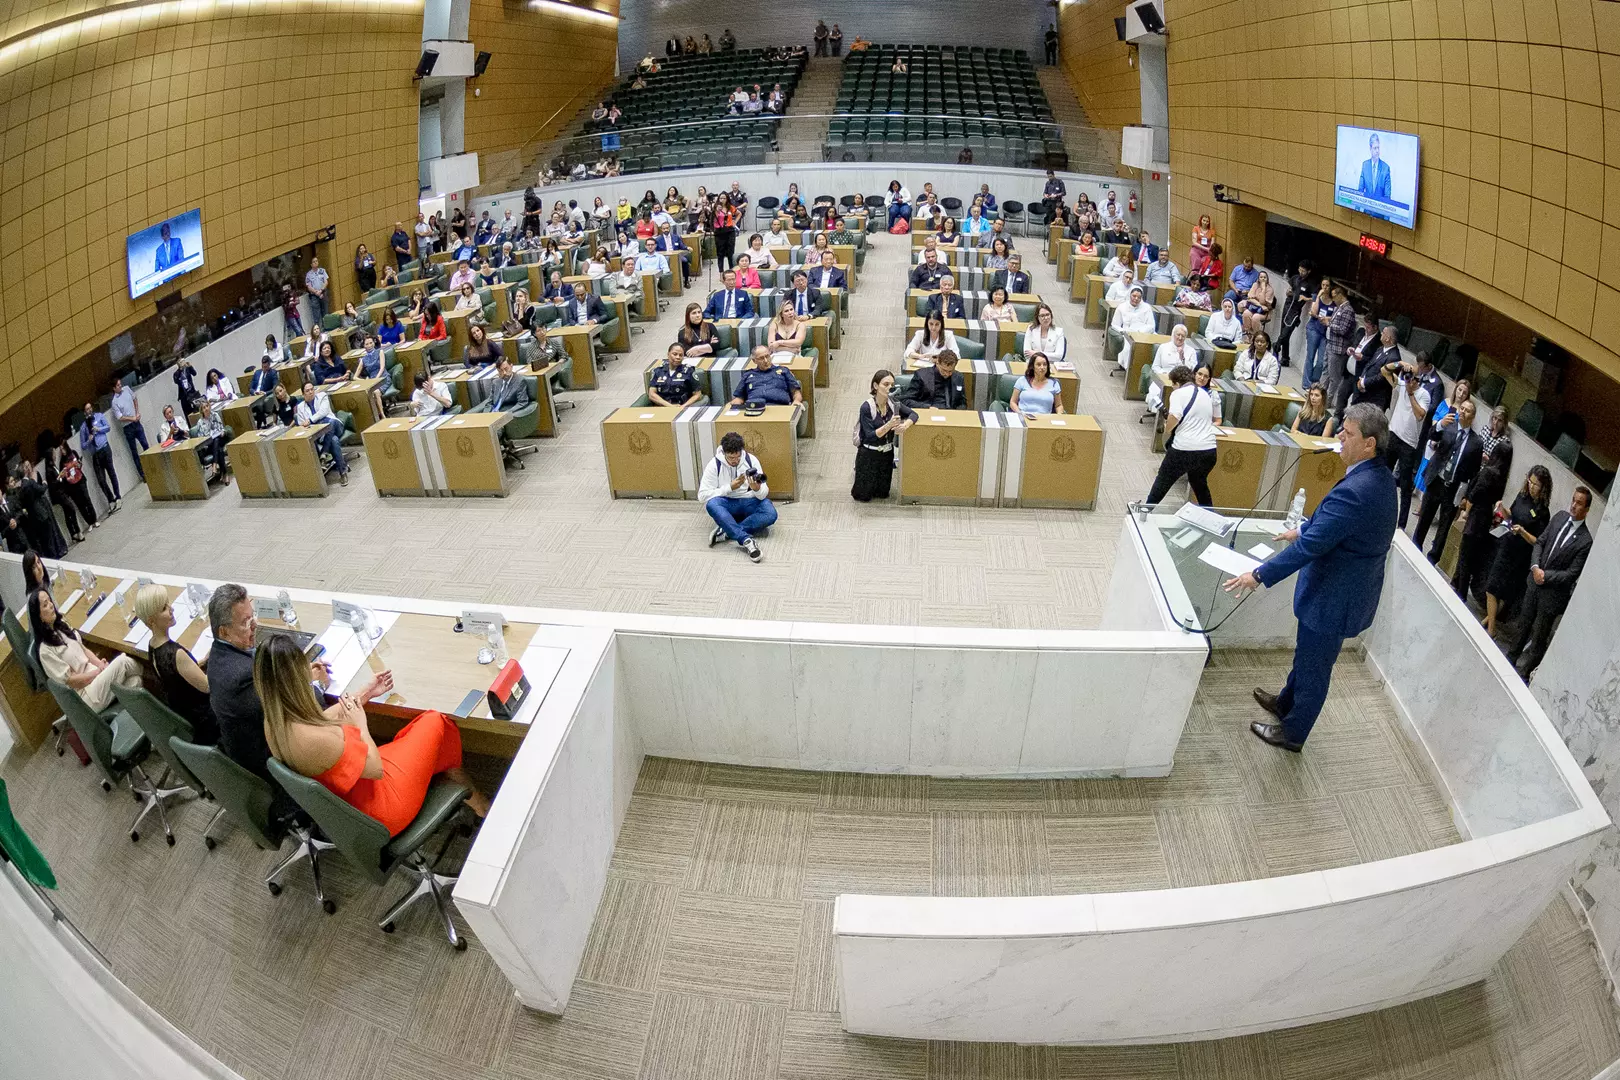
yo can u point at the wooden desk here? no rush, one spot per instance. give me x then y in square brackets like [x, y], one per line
[772, 437]
[1068, 380]
[469, 392]
[1096, 289]
[470, 453]
[290, 372]
[392, 457]
[253, 464]
[1317, 473]
[1065, 259]
[1140, 349]
[412, 356]
[642, 455]
[1054, 238]
[580, 341]
[354, 397]
[619, 304]
[1245, 404]
[1249, 463]
[978, 379]
[941, 458]
[299, 463]
[237, 414]
[725, 374]
[1056, 463]
[175, 472]
[998, 339]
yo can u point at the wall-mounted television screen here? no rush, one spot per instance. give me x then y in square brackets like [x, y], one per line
[1377, 173]
[164, 251]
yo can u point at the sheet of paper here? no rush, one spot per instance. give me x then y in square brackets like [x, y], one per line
[139, 637]
[1260, 551]
[1266, 388]
[205, 641]
[1184, 539]
[1327, 444]
[96, 613]
[1226, 560]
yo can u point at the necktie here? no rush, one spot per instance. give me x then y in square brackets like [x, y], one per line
[804, 307]
[1563, 534]
[731, 305]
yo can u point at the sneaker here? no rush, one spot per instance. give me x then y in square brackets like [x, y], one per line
[752, 548]
[343, 478]
[112, 508]
[716, 536]
[77, 538]
[95, 524]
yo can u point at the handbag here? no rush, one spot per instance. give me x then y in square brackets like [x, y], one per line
[900, 227]
[72, 473]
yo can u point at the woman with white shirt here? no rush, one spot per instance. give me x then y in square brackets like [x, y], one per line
[931, 340]
[1134, 316]
[899, 200]
[1120, 290]
[1036, 391]
[1258, 362]
[1115, 267]
[1045, 337]
[1189, 440]
[1169, 356]
[468, 299]
[62, 655]
[759, 256]
[597, 265]
[999, 309]
[218, 388]
[1225, 326]
[429, 398]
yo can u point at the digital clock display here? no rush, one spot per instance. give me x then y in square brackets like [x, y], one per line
[1375, 245]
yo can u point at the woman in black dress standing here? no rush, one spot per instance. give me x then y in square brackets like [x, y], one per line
[1476, 551]
[877, 432]
[1526, 520]
[39, 521]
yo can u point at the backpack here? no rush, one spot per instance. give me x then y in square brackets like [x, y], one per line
[900, 227]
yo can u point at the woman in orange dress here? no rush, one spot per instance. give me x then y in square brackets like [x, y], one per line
[1203, 235]
[334, 745]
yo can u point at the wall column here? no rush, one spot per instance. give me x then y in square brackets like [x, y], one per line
[1155, 82]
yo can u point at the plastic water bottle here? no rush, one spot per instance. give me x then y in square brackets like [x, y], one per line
[289, 614]
[1296, 510]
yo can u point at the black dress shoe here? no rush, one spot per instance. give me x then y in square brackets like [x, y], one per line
[1273, 734]
[1267, 701]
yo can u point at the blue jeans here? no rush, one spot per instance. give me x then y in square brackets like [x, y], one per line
[330, 441]
[1315, 352]
[1306, 691]
[897, 211]
[756, 514]
[135, 436]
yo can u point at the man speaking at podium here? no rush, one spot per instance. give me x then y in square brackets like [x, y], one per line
[1340, 555]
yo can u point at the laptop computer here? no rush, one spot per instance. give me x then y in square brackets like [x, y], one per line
[304, 640]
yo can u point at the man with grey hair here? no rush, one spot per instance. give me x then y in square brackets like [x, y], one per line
[230, 683]
[1339, 553]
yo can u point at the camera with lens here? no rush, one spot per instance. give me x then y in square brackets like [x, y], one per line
[756, 475]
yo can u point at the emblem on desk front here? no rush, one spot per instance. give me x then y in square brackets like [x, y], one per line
[1063, 448]
[390, 449]
[640, 444]
[1232, 461]
[464, 446]
[1326, 466]
[293, 456]
[942, 447]
[754, 441]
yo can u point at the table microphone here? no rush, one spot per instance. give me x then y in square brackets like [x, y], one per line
[1291, 471]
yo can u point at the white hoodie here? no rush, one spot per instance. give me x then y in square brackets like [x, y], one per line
[718, 475]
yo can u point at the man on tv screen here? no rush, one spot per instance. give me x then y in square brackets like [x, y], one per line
[1375, 180]
[171, 252]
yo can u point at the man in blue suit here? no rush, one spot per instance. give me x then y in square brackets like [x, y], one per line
[1340, 555]
[170, 252]
[730, 302]
[827, 275]
[1374, 173]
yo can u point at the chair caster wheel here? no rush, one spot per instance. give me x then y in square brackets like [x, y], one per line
[134, 837]
[136, 796]
[210, 843]
[105, 786]
[329, 906]
[60, 750]
[460, 945]
[274, 887]
[388, 928]
[170, 838]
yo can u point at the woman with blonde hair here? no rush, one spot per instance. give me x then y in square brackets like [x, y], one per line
[787, 335]
[183, 681]
[334, 745]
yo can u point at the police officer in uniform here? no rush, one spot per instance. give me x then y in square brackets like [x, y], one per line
[674, 382]
[766, 382]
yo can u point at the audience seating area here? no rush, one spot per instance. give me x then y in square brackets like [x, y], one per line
[693, 91]
[988, 101]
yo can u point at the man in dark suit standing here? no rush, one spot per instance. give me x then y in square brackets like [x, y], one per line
[1555, 564]
[947, 302]
[938, 387]
[1339, 553]
[1458, 452]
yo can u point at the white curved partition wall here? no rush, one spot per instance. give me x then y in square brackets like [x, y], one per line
[1166, 965]
[1223, 960]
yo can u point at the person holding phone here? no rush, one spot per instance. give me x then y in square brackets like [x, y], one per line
[1518, 527]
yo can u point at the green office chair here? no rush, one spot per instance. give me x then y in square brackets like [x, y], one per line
[1567, 449]
[525, 424]
[367, 845]
[395, 388]
[1491, 390]
[1290, 414]
[1529, 418]
[1001, 401]
[160, 723]
[970, 349]
[516, 275]
[332, 320]
[438, 354]
[22, 647]
[117, 746]
[248, 799]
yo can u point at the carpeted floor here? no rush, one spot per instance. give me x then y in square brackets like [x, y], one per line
[711, 955]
